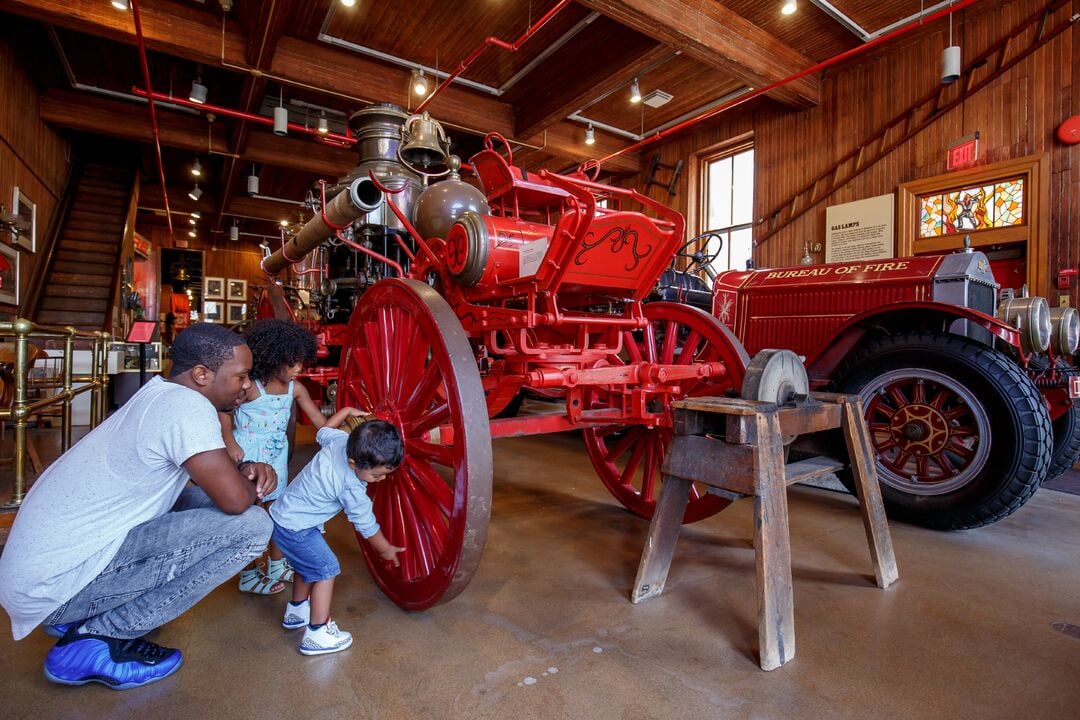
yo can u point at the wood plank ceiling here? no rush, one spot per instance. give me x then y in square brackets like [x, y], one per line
[320, 56]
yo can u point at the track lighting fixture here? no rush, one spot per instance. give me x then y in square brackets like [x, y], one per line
[789, 7]
[590, 135]
[285, 223]
[348, 3]
[196, 168]
[234, 232]
[635, 92]
[198, 91]
[419, 82]
[950, 59]
[192, 233]
[192, 219]
[253, 182]
[196, 193]
[120, 4]
[196, 214]
[324, 126]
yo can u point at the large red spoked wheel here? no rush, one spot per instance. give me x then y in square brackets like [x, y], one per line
[409, 362]
[628, 459]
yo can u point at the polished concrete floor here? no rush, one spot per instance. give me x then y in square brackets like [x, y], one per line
[983, 624]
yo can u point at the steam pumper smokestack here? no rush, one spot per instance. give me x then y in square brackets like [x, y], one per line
[357, 200]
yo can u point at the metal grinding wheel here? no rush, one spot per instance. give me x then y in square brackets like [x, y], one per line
[775, 376]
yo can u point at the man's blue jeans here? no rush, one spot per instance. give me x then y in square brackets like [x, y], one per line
[166, 565]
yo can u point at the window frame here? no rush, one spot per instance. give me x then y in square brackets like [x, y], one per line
[699, 180]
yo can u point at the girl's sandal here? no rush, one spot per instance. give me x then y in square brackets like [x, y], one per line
[254, 582]
[279, 570]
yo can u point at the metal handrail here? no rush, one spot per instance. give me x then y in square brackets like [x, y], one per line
[97, 383]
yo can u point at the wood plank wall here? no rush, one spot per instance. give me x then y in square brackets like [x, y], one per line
[33, 157]
[1016, 116]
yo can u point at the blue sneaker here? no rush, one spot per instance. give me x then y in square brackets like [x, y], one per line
[59, 630]
[115, 663]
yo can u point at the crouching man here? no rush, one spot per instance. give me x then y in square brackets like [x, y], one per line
[111, 542]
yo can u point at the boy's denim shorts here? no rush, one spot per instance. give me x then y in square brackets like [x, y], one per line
[308, 553]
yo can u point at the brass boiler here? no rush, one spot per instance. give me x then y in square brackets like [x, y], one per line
[378, 128]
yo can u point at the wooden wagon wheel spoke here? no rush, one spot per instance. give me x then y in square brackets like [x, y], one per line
[629, 459]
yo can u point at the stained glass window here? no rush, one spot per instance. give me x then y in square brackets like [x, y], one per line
[980, 207]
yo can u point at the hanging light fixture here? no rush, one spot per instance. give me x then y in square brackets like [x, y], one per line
[253, 182]
[196, 168]
[789, 7]
[419, 82]
[590, 135]
[192, 219]
[196, 193]
[950, 59]
[192, 233]
[635, 92]
[234, 232]
[348, 3]
[324, 125]
[196, 214]
[198, 91]
[120, 4]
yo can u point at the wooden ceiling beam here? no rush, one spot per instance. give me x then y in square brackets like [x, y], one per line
[567, 142]
[190, 34]
[115, 118]
[718, 36]
[544, 103]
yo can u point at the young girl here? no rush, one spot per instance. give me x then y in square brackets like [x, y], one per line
[257, 431]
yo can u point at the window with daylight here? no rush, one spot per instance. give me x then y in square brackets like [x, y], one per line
[981, 207]
[727, 205]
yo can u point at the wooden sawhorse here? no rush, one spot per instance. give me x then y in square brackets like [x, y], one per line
[749, 461]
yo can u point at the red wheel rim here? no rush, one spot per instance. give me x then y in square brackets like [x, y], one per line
[628, 458]
[409, 362]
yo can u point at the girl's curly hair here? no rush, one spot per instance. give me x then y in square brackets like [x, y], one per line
[277, 343]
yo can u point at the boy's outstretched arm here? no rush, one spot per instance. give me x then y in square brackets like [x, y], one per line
[339, 417]
[387, 551]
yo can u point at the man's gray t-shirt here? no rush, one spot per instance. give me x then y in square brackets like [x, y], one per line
[74, 519]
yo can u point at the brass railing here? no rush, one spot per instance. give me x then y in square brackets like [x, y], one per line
[96, 383]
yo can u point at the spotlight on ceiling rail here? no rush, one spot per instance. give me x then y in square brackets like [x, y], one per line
[198, 91]
[789, 7]
[590, 135]
[419, 82]
[635, 92]
[196, 193]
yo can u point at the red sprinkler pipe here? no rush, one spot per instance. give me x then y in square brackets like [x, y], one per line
[153, 113]
[492, 40]
[340, 140]
[791, 78]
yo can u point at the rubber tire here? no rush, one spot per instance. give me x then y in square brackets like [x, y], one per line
[1066, 448]
[1020, 447]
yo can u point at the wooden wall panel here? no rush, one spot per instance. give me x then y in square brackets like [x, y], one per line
[1016, 116]
[33, 157]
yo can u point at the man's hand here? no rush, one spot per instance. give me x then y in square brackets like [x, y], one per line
[263, 475]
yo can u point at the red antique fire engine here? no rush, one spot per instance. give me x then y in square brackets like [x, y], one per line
[533, 285]
[959, 402]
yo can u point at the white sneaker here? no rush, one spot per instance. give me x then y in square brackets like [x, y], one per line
[296, 617]
[327, 639]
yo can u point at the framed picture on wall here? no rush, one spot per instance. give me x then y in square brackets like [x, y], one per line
[237, 290]
[214, 288]
[9, 275]
[212, 311]
[236, 313]
[25, 210]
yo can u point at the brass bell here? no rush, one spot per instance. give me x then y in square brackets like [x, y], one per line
[424, 145]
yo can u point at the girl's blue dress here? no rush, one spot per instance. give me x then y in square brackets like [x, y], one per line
[259, 428]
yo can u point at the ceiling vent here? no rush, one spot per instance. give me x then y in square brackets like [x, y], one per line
[657, 98]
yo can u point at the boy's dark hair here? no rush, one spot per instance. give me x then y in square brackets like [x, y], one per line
[203, 344]
[375, 443]
[275, 343]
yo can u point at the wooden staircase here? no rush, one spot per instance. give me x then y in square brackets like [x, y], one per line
[81, 280]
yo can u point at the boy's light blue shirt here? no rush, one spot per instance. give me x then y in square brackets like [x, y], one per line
[325, 487]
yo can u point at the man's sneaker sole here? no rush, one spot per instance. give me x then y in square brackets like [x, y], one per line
[110, 682]
[324, 650]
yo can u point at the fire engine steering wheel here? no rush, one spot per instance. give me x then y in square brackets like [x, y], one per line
[699, 259]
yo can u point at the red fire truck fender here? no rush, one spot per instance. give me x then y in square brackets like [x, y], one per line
[901, 317]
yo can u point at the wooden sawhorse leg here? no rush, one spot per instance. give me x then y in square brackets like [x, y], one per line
[660, 544]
